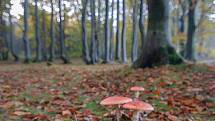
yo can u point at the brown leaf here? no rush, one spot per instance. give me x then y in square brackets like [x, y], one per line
[21, 113]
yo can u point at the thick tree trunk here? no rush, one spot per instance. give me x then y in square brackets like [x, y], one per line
[52, 33]
[93, 23]
[61, 29]
[141, 23]
[107, 33]
[25, 33]
[157, 48]
[37, 34]
[124, 53]
[112, 33]
[16, 58]
[191, 31]
[85, 50]
[134, 53]
[118, 42]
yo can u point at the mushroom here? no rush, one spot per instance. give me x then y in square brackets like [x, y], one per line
[116, 100]
[137, 89]
[138, 106]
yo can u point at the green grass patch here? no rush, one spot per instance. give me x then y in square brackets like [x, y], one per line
[96, 108]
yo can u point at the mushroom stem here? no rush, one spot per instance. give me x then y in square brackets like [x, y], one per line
[137, 94]
[136, 116]
[118, 113]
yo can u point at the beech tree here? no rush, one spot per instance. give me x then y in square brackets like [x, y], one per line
[11, 32]
[61, 29]
[85, 51]
[25, 32]
[124, 49]
[141, 23]
[191, 30]
[157, 48]
[93, 29]
[107, 33]
[52, 33]
[37, 34]
[134, 53]
[118, 41]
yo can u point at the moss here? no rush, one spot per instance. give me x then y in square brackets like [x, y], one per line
[173, 56]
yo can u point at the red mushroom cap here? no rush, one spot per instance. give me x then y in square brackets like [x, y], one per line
[138, 105]
[115, 100]
[136, 88]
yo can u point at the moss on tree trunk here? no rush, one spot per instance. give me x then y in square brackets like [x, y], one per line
[157, 48]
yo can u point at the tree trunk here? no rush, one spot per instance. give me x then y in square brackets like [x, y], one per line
[52, 33]
[98, 48]
[61, 29]
[25, 33]
[37, 35]
[124, 53]
[93, 22]
[157, 49]
[112, 33]
[134, 53]
[107, 33]
[85, 50]
[141, 23]
[118, 42]
[44, 42]
[16, 58]
[191, 31]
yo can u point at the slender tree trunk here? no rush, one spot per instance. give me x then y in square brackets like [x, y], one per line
[61, 29]
[44, 43]
[98, 48]
[112, 33]
[157, 48]
[93, 22]
[52, 33]
[37, 35]
[16, 58]
[85, 49]
[107, 33]
[183, 5]
[141, 23]
[25, 33]
[134, 53]
[191, 30]
[118, 42]
[124, 53]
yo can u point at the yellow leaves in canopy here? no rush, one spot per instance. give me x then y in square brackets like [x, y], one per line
[181, 37]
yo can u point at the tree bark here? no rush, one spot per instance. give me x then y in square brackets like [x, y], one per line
[37, 34]
[61, 29]
[93, 43]
[16, 58]
[107, 33]
[44, 28]
[191, 31]
[124, 53]
[134, 53]
[118, 42]
[112, 33]
[141, 23]
[25, 33]
[157, 47]
[85, 50]
[52, 34]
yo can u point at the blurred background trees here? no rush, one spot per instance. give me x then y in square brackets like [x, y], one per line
[100, 31]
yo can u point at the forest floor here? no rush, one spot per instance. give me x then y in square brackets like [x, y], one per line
[68, 92]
